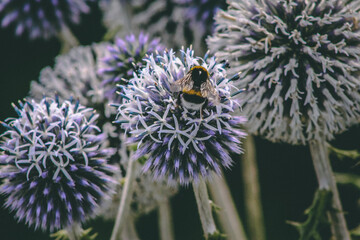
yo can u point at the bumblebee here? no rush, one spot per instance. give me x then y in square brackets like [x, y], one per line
[196, 89]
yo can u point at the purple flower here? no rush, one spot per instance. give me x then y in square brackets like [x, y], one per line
[299, 61]
[41, 18]
[53, 165]
[126, 58]
[180, 145]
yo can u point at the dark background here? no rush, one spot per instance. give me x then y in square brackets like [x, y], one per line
[286, 174]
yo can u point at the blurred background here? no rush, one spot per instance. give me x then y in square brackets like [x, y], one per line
[287, 178]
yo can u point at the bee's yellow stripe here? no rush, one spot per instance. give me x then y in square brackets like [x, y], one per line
[193, 92]
[200, 67]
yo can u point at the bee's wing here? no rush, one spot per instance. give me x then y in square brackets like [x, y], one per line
[208, 91]
[184, 83]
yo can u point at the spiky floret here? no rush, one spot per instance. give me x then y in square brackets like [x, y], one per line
[126, 57]
[41, 18]
[180, 145]
[53, 164]
[299, 61]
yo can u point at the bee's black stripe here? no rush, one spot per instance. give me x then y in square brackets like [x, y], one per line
[193, 98]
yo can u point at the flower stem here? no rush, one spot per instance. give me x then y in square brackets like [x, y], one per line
[204, 208]
[130, 230]
[326, 181]
[165, 220]
[253, 207]
[228, 214]
[125, 200]
[74, 231]
[67, 38]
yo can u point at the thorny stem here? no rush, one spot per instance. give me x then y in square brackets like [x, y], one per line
[253, 207]
[125, 199]
[165, 220]
[67, 38]
[204, 208]
[228, 214]
[326, 181]
[74, 231]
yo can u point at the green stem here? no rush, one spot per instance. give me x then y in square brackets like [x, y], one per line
[74, 231]
[326, 181]
[253, 207]
[129, 231]
[125, 200]
[165, 220]
[228, 214]
[204, 208]
[67, 38]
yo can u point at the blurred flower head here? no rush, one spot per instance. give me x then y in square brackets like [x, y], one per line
[126, 57]
[41, 18]
[176, 22]
[199, 16]
[180, 145]
[53, 164]
[299, 61]
[75, 75]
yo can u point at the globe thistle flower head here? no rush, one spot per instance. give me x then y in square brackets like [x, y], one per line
[299, 61]
[202, 11]
[181, 145]
[41, 18]
[75, 75]
[126, 57]
[53, 167]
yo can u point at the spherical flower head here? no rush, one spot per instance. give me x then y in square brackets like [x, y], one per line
[75, 75]
[200, 14]
[41, 18]
[299, 61]
[126, 57]
[54, 168]
[181, 145]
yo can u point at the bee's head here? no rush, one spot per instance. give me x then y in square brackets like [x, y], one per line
[199, 75]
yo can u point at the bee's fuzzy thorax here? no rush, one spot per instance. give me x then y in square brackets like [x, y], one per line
[200, 68]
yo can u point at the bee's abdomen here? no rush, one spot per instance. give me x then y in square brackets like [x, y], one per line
[193, 98]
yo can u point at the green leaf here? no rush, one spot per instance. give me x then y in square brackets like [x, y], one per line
[355, 233]
[217, 236]
[348, 178]
[316, 216]
[63, 235]
[341, 154]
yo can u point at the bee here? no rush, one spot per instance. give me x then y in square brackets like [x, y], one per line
[196, 89]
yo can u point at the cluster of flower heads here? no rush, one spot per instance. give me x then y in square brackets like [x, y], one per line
[180, 146]
[54, 168]
[76, 75]
[126, 57]
[177, 22]
[41, 18]
[299, 61]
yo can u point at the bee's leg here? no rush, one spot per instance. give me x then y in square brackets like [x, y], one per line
[178, 100]
[202, 108]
